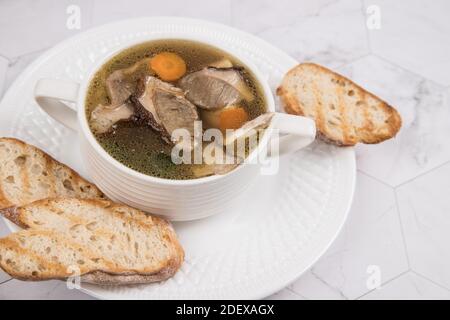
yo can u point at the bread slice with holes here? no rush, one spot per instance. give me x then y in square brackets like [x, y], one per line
[28, 174]
[104, 242]
[345, 113]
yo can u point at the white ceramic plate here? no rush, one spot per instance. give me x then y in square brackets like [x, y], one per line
[286, 221]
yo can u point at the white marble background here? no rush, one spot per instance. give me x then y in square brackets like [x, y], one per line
[400, 219]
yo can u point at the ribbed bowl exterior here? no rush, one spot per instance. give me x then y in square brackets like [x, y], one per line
[176, 202]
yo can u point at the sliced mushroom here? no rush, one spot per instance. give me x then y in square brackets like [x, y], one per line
[214, 88]
[231, 161]
[163, 107]
[212, 166]
[222, 63]
[120, 85]
[205, 170]
[104, 117]
[250, 128]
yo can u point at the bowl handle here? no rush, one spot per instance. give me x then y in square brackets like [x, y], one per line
[52, 94]
[296, 132]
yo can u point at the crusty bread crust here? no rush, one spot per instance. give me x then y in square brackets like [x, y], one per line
[13, 215]
[28, 189]
[110, 273]
[111, 279]
[358, 115]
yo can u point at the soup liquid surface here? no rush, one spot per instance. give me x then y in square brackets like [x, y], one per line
[140, 147]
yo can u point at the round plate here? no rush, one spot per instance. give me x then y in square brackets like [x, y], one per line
[285, 221]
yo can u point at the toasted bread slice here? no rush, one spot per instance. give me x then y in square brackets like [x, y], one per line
[28, 174]
[345, 114]
[106, 243]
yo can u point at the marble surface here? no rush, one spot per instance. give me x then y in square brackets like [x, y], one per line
[411, 286]
[395, 244]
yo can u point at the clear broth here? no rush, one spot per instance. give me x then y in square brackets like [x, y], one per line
[140, 147]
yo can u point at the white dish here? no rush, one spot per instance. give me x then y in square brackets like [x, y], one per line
[284, 223]
[176, 200]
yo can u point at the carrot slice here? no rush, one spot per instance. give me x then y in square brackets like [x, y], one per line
[168, 66]
[232, 118]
